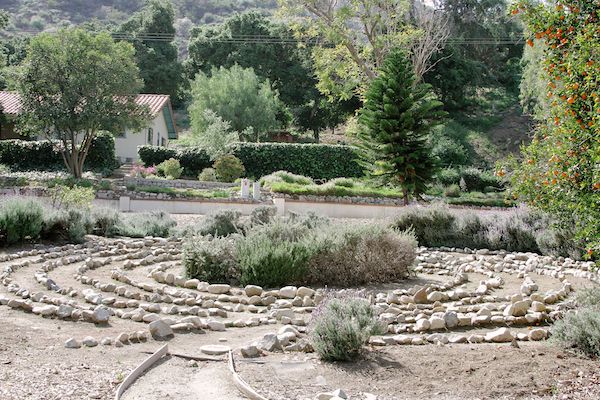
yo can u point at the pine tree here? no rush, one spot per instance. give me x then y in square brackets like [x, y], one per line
[397, 118]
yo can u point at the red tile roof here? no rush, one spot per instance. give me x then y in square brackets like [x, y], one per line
[11, 102]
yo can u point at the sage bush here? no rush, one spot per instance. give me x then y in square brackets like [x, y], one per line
[341, 327]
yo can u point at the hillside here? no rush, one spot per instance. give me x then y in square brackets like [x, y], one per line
[37, 15]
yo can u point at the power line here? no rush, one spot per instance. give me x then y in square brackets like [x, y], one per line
[268, 39]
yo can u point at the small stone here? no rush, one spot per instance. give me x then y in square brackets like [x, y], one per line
[250, 351]
[420, 297]
[216, 326]
[72, 344]
[253, 290]
[106, 341]
[160, 330]
[269, 342]
[451, 319]
[537, 334]
[288, 292]
[218, 288]
[89, 341]
[501, 335]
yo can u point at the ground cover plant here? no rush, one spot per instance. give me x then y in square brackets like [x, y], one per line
[183, 192]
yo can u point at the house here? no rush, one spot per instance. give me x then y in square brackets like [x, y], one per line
[160, 130]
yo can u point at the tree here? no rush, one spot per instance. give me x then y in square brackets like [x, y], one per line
[152, 33]
[211, 133]
[483, 49]
[354, 37]
[76, 84]
[560, 172]
[238, 96]
[397, 118]
[251, 40]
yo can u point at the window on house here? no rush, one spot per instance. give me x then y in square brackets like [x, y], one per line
[150, 136]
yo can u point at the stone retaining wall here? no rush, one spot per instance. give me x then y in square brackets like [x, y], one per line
[177, 183]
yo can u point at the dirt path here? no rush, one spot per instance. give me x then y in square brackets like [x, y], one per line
[176, 379]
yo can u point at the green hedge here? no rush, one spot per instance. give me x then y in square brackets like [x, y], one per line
[193, 160]
[318, 161]
[43, 155]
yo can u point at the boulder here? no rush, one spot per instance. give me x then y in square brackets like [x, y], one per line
[501, 335]
[160, 330]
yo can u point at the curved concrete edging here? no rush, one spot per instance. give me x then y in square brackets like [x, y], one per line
[133, 375]
[240, 383]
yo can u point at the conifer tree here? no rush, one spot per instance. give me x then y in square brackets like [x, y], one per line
[397, 118]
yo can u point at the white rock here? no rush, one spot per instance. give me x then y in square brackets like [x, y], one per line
[216, 326]
[250, 351]
[218, 288]
[501, 335]
[253, 290]
[288, 292]
[215, 350]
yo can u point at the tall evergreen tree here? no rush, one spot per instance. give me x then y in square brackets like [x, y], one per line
[397, 119]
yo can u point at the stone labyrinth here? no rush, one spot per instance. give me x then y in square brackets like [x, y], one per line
[457, 296]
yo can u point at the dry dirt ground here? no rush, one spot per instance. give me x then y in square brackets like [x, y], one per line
[34, 364]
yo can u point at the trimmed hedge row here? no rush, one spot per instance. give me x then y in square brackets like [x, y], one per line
[318, 161]
[192, 159]
[44, 155]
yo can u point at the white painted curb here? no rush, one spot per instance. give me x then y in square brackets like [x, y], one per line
[133, 375]
[241, 384]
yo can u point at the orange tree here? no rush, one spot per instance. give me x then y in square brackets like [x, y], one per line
[560, 170]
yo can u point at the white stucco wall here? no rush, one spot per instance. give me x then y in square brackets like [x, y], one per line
[126, 147]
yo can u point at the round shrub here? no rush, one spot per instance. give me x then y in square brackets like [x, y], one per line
[342, 182]
[155, 223]
[210, 259]
[70, 224]
[170, 168]
[341, 327]
[353, 255]
[262, 215]
[229, 168]
[221, 223]
[448, 176]
[106, 221]
[20, 220]
[208, 175]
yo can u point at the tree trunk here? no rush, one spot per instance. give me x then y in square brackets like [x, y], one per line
[406, 198]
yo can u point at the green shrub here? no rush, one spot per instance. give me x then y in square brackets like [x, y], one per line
[432, 226]
[192, 159]
[210, 259]
[263, 215]
[20, 220]
[4, 169]
[318, 161]
[448, 176]
[208, 175]
[449, 151]
[341, 327]
[72, 197]
[156, 223]
[229, 168]
[452, 191]
[355, 254]
[274, 255]
[478, 180]
[170, 168]
[106, 221]
[70, 224]
[221, 223]
[579, 331]
[43, 155]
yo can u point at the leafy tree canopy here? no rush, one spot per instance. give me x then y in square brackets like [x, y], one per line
[76, 84]
[238, 96]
